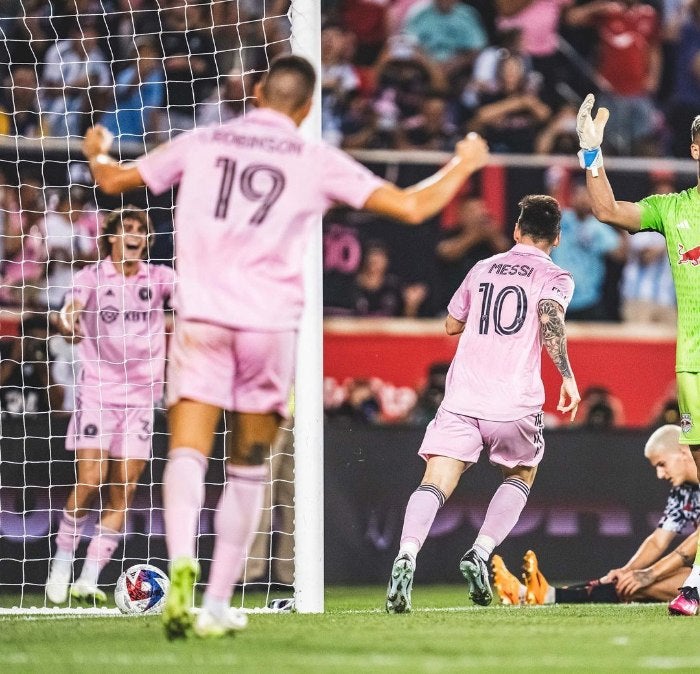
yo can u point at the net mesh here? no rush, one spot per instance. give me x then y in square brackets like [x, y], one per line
[147, 70]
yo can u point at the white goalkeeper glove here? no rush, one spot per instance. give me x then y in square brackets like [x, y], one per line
[590, 135]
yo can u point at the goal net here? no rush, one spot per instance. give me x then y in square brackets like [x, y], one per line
[147, 70]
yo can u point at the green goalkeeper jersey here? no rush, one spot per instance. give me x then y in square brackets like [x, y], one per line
[677, 217]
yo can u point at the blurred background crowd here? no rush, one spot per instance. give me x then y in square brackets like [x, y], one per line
[410, 75]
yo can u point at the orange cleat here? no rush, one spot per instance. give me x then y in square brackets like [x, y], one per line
[507, 586]
[535, 582]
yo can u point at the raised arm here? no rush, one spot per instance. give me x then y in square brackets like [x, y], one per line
[606, 208]
[110, 176]
[68, 322]
[551, 316]
[419, 202]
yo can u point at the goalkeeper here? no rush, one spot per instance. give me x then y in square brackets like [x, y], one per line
[116, 312]
[677, 217]
[649, 575]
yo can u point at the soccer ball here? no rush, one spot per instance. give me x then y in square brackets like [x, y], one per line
[141, 589]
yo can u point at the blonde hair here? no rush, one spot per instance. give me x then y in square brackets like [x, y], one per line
[664, 439]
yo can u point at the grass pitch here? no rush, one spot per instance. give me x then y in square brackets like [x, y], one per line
[443, 634]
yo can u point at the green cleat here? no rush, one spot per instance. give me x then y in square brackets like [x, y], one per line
[177, 613]
[85, 594]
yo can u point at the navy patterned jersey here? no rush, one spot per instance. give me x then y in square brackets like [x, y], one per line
[682, 508]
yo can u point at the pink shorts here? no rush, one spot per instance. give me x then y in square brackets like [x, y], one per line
[124, 433]
[239, 370]
[510, 443]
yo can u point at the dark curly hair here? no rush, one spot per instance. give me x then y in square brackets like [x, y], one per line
[113, 222]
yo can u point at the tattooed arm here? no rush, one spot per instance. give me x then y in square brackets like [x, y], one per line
[554, 337]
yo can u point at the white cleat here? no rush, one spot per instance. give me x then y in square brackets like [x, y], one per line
[57, 585]
[398, 592]
[209, 625]
[85, 593]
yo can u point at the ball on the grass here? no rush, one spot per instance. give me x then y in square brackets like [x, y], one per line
[141, 589]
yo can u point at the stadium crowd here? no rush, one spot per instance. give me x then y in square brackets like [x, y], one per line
[396, 74]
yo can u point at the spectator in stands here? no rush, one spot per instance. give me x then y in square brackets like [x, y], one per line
[685, 101]
[585, 244]
[538, 23]
[367, 21]
[648, 293]
[629, 68]
[190, 66]
[510, 117]
[474, 237]
[27, 34]
[376, 292]
[23, 263]
[450, 32]
[67, 247]
[26, 381]
[76, 80]
[339, 79]
[131, 20]
[232, 98]
[431, 129]
[19, 104]
[431, 396]
[360, 404]
[366, 128]
[559, 136]
[600, 409]
[484, 77]
[404, 77]
[139, 96]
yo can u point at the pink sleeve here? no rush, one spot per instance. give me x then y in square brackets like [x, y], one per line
[84, 283]
[344, 180]
[163, 167]
[167, 282]
[459, 304]
[559, 287]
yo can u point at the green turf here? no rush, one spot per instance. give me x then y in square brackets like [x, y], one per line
[443, 634]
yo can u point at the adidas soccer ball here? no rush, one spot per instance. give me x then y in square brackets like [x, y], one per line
[141, 589]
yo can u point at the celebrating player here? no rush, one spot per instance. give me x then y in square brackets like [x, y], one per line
[677, 217]
[116, 311]
[505, 309]
[249, 191]
[649, 575]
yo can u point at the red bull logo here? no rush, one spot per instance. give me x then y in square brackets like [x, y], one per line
[692, 255]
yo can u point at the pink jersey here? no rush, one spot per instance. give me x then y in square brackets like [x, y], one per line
[496, 372]
[249, 191]
[122, 353]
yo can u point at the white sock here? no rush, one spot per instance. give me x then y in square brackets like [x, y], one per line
[217, 607]
[693, 580]
[409, 548]
[550, 596]
[90, 572]
[62, 562]
[484, 546]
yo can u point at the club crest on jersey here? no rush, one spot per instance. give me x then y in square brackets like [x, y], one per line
[145, 293]
[686, 423]
[109, 314]
[692, 255]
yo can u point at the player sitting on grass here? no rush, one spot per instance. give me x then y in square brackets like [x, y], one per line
[506, 309]
[677, 217]
[116, 312]
[649, 575]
